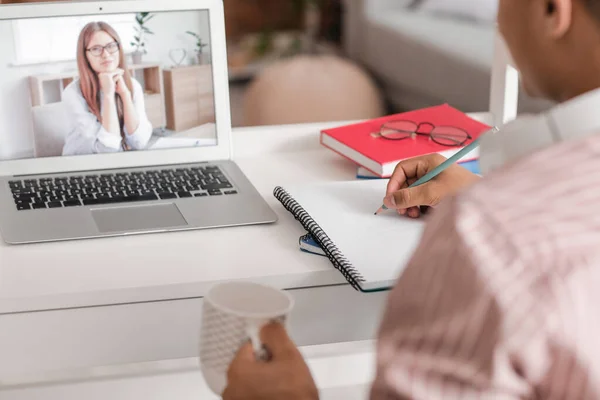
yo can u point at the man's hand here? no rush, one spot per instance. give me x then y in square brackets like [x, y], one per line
[408, 201]
[284, 376]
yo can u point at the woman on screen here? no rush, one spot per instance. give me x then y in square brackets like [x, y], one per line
[106, 104]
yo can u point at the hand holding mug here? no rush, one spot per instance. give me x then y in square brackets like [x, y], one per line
[233, 315]
[284, 376]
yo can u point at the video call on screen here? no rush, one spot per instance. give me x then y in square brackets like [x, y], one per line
[94, 84]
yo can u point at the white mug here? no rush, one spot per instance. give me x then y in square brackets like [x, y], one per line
[232, 314]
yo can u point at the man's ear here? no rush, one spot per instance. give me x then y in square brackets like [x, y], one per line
[559, 17]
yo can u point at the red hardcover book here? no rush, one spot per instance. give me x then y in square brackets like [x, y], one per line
[361, 144]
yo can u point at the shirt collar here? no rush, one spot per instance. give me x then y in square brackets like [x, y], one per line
[572, 120]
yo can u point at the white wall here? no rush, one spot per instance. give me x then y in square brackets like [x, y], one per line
[169, 33]
[16, 131]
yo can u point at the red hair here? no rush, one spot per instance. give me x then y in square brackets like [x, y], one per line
[88, 79]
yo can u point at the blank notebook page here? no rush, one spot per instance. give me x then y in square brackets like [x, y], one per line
[377, 246]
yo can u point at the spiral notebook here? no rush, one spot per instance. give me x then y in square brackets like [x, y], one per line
[370, 250]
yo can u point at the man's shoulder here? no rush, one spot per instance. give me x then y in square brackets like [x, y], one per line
[486, 223]
[535, 212]
[536, 189]
[545, 170]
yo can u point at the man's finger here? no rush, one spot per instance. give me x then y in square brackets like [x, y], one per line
[414, 212]
[397, 180]
[407, 172]
[243, 357]
[410, 197]
[277, 341]
[228, 394]
[245, 353]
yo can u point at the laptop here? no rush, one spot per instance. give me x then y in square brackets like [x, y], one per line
[115, 121]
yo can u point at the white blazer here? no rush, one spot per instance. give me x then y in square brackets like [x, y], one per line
[88, 136]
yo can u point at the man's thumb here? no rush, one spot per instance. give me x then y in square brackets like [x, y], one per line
[409, 197]
[276, 340]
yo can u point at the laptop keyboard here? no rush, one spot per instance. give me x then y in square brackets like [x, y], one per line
[121, 187]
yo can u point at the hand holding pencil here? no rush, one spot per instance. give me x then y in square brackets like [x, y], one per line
[407, 195]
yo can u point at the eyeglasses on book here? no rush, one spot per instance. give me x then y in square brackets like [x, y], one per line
[405, 129]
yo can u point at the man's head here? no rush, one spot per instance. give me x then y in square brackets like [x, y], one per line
[555, 44]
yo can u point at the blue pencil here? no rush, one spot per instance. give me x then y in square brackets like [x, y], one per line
[443, 166]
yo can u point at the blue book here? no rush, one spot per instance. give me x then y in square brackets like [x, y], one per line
[309, 245]
[473, 166]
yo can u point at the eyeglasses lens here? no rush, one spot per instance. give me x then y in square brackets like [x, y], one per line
[111, 48]
[398, 129]
[449, 136]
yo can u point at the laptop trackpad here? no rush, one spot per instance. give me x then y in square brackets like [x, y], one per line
[136, 218]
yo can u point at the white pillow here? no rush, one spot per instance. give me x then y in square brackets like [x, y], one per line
[388, 4]
[476, 10]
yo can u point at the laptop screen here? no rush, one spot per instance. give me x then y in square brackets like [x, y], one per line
[84, 85]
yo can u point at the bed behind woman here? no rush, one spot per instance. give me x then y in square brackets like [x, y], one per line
[427, 52]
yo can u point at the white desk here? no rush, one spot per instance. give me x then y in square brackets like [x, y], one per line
[183, 265]
[101, 302]
[79, 305]
[346, 375]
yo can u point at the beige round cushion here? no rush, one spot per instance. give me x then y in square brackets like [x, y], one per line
[311, 88]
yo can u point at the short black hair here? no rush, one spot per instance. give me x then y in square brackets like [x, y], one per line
[594, 7]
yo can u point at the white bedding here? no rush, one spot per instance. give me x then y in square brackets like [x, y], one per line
[483, 11]
[456, 38]
[438, 58]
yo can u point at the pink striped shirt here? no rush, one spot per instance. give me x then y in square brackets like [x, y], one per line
[500, 299]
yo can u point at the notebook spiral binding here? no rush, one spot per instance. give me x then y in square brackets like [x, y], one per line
[332, 252]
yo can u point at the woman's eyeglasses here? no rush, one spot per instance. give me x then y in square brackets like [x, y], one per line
[403, 129]
[97, 51]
